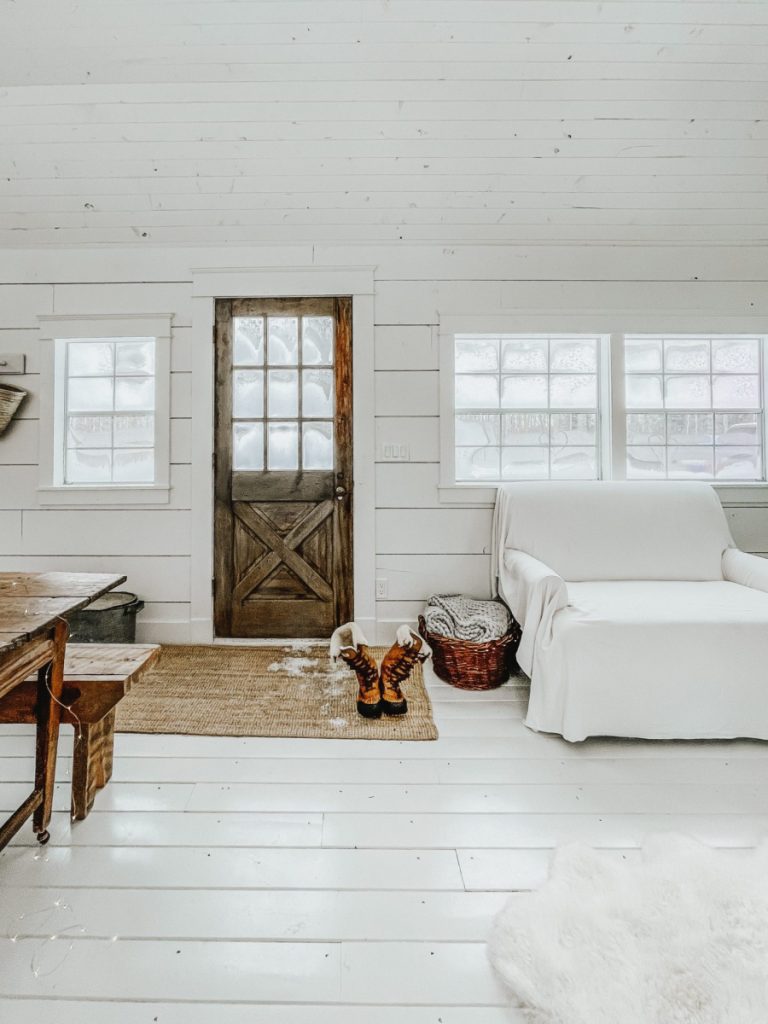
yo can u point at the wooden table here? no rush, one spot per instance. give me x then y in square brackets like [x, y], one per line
[33, 637]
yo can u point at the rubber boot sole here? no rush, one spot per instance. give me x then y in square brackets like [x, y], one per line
[369, 710]
[391, 708]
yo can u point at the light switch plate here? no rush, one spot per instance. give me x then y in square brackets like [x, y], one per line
[12, 362]
[396, 453]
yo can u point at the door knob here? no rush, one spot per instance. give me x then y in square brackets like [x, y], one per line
[341, 493]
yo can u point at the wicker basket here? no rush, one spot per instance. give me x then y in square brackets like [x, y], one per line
[10, 400]
[473, 666]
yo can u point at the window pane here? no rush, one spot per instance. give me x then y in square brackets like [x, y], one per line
[686, 355]
[477, 429]
[735, 355]
[283, 340]
[248, 348]
[691, 428]
[688, 392]
[685, 463]
[644, 392]
[642, 355]
[734, 463]
[92, 394]
[317, 340]
[737, 428]
[134, 393]
[574, 428]
[283, 393]
[526, 428]
[525, 463]
[476, 391]
[646, 429]
[283, 446]
[89, 432]
[135, 356]
[317, 446]
[134, 431]
[646, 463]
[89, 358]
[574, 464]
[524, 392]
[133, 465]
[248, 446]
[248, 394]
[529, 354]
[573, 390]
[88, 467]
[573, 355]
[477, 354]
[477, 463]
[736, 392]
[317, 397]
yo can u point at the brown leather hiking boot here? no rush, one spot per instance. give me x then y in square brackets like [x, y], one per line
[397, 666]
[349, 644]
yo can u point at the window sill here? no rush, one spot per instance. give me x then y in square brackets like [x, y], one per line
[753, 494]
[95, 497]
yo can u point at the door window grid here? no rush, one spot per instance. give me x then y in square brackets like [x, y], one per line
[694, 407]
[282, 393]
[526, 407]
[109, 411]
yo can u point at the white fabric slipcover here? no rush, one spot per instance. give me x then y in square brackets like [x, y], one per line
[639, 616]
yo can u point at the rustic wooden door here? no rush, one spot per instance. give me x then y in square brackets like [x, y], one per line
[283, 467]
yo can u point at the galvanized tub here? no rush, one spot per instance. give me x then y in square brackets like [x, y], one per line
[110, 619]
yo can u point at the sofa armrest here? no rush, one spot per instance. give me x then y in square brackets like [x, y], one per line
[748, 570]
[534, 593]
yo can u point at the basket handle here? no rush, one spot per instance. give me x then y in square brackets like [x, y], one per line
[423, 628]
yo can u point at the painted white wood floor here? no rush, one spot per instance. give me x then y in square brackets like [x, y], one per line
[315, 881]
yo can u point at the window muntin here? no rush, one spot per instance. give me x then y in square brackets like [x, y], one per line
[526, 407]
[694, 407]
[282, 393]
[108, 411]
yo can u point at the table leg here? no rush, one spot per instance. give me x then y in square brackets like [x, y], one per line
[49, 688]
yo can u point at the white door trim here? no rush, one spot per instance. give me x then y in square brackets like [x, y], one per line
[209, 285]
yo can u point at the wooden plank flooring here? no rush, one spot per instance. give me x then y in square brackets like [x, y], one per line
[298, 881]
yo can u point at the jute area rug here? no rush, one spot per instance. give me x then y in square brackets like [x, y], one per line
[291, 690]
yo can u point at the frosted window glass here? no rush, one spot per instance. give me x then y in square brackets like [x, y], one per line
[477, 463]
[686, 355]
[688, 392]
[643, 355]
[523, 354]
[88, 467]
[573, 390]
[477, 428]
[690, 463]
[574, 429]
[644, 392]
[735, 355]
[89, 358]
[133, 465]
[526, 428]
[524, 391]
[135, 356]
[134, 393]
[737, 428]
[734, 463]
[646, 429]
[248, 394]
[525, 463]
[477, 354]
[248, 446]
[317, 340]
[283, 446]
[689, 428]
[477, 391]
[90, 394]
[317, 450]
[574, 463]
[732, 391]
[573, 355]
[646, 463]
[317, 397]
[89, 432]
[283, 393]
[283, 334]
[134, 431]
[248, 348]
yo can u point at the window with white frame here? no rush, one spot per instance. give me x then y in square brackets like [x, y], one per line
[557, 406]
[106, 412]
[526, 407]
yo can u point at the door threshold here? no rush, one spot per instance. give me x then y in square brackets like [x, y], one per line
[297, 642]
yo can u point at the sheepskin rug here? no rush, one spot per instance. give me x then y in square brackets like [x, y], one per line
[677, 936]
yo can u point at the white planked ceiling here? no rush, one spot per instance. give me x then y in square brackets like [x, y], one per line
[356, 121]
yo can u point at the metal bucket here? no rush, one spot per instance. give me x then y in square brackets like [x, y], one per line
[110, 619]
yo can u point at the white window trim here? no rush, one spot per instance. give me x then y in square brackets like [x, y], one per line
[60, 328]
[611, 384]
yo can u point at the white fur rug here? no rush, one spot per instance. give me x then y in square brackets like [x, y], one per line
[677, 937]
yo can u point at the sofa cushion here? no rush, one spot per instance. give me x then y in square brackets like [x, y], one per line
[617, 530]
[672, 604]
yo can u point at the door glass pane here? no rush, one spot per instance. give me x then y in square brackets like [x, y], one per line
[283, 393]
[317, 446]
[89, 358]
[89, 394]
[133, 465]
[248, 446]
[248, 394]
[134, 393]
[248, 348]
[135, 356]
[317, 398]
[317, 340]
[283, 446]
[283, 340]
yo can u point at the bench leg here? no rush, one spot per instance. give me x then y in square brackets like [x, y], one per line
[107, 744]
[91, 763]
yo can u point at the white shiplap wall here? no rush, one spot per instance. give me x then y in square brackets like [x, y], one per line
[420, 545]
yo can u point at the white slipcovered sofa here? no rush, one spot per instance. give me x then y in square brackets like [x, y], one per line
[639, 616]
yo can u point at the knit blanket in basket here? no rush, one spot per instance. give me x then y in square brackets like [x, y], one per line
[465, 618]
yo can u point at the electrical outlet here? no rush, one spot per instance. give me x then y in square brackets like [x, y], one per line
[381, 589]
[396, 452]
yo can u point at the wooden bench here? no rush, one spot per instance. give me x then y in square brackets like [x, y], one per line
[96, 678]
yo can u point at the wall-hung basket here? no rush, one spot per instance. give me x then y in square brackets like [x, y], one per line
[10, 400]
